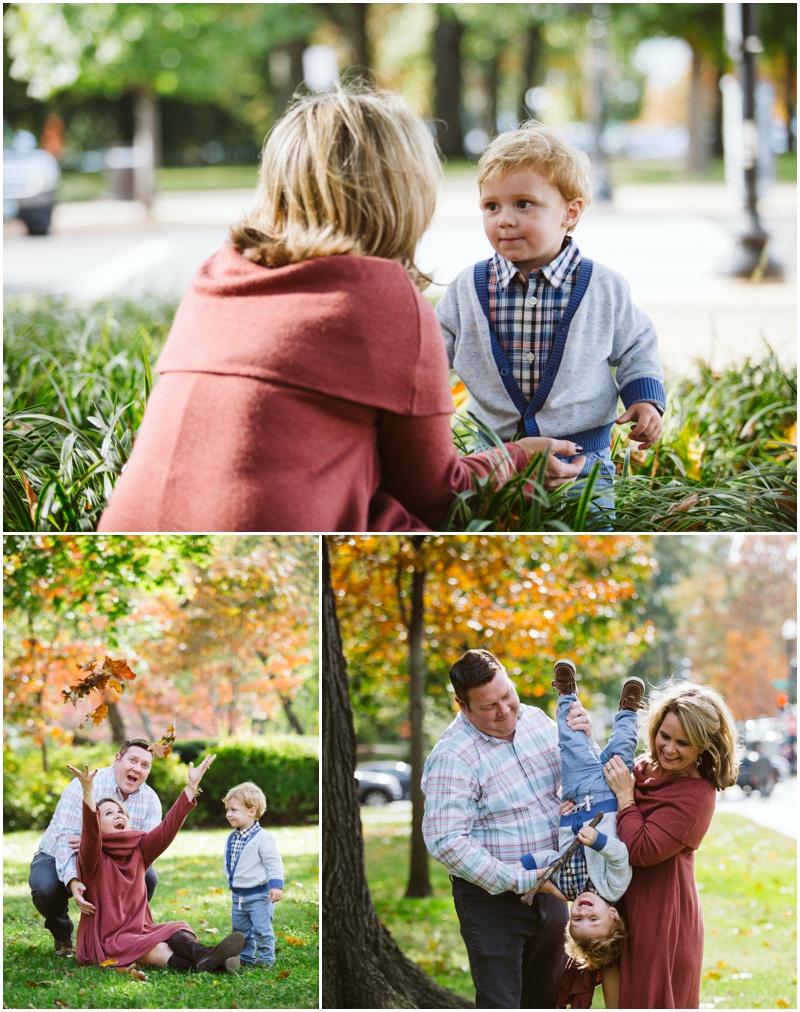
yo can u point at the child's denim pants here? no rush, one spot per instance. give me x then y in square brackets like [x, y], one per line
[252, 915]
[581, 769]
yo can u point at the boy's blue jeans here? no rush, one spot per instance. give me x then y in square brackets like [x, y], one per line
[581, 769]
[602, 507]
[252, 915]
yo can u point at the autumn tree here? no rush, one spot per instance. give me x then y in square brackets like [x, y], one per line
[410, 606]
[218, 627]
[364, 968]
[67, 597]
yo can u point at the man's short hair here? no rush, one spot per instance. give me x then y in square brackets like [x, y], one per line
[473, 668]
[134, 743]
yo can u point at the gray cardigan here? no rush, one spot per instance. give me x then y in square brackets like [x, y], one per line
[607, 863]
[578, 396]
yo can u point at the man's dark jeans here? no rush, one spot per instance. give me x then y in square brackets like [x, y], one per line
[516, 952]
[51, 897]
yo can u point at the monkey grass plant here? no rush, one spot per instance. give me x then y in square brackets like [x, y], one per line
[76, 381]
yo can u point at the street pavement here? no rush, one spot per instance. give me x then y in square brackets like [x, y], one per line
[778, 811]
[673, 243]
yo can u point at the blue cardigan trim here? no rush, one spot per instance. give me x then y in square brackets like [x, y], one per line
[645, 389]
[232, 871]
[527, 411]
[528, 862]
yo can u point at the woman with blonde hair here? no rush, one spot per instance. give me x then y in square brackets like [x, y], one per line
[304, 384]
[665, 809]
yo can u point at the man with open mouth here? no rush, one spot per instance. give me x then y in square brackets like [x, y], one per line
[53, 876]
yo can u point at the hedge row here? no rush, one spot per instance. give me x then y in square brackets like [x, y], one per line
[286, 770]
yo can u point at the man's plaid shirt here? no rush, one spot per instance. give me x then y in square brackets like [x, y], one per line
[143, 805]
[488, 801]
[525, 317]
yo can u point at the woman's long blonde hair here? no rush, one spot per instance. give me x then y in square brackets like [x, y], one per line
[349, 171]
[709, 727]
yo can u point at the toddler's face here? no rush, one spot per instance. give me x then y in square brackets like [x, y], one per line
[238, 816]
[591, 917]
[526, 218]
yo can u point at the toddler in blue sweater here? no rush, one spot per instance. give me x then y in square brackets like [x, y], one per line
[254, 871]
[536, 331]
[598, 872]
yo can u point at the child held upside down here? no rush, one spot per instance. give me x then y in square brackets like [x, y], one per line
[598, 873]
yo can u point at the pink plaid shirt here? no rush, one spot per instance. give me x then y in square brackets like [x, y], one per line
[489, 801]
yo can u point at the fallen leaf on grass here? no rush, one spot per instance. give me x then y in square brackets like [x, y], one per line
[109, 962]
[294, 941]
[283, 974]
[60, 1004]
[713, 975]
[39, 983]
[780, 1003]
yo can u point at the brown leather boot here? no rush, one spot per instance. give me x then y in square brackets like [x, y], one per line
[205, 959]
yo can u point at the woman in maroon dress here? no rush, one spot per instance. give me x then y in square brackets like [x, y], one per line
[112, 861]
[665, 809]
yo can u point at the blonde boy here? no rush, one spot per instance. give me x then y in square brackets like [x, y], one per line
[254, 871]
[535, 331]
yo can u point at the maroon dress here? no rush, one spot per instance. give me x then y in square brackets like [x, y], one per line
[662, 957]
[112, 868]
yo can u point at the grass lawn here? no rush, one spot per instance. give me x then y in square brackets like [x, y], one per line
[747, 880]
[191, 888]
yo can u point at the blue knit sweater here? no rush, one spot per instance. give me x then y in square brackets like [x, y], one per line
[578, 396]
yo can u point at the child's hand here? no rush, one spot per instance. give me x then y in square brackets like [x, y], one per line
[567, 807]
[587, 835]
[275, 895]
[648, 424]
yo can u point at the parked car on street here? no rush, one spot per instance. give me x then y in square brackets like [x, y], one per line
[757, 773]
[396, 769]
[30, 179]
[377, 788]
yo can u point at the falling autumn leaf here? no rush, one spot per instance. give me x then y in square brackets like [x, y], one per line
[163, 746]
[99, 714]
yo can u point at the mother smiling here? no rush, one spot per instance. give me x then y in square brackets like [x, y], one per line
[111, 862]
[665, 809]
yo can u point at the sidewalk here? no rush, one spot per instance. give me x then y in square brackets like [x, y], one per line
[671, 242]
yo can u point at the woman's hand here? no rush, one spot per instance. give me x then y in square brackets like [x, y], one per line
[620, 780]
[195, 775]
[557, 472]
[78, 889]
[86, 778]
[578, 719]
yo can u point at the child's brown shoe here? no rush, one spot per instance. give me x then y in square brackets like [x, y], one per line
[565, 676]
[632, 692]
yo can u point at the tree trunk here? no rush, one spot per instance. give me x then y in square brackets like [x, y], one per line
[447, 60]
[419, 884]
[364, 968]
[118, 733]
[699, 149]
[491, 83]
[530, 66]
[145, 145]
[790, 100]
[361, 40]
[294, 723]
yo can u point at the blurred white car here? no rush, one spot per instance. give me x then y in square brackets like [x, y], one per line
[30, 180]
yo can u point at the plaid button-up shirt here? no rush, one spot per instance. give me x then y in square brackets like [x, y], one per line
[238, 839]
[488, 801]
[143, 805]
[525, 317]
